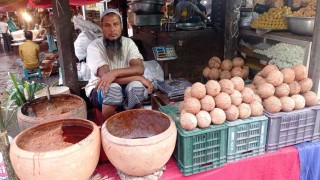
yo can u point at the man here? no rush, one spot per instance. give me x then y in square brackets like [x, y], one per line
[29, 52]
[116, 69]
[4, 31]
[201, 7]
[188, 12]
[49, 27]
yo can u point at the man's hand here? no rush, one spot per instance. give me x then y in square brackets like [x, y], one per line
[147, 83]
[105, 81]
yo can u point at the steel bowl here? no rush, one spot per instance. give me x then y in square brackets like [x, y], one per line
[301, 25]
[145, 7]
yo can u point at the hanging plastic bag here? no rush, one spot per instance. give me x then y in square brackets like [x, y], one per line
[153, 71]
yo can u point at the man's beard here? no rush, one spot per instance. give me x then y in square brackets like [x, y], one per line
[114, 48]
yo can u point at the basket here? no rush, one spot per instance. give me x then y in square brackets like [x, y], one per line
[246, 137]
[289, 128]
[198, 150]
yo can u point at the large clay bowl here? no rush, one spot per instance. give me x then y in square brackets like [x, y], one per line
[139, 142]
[59, 149]
[63, 106]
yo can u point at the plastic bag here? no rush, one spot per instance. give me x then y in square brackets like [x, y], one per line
[84, 72]
[81, 44]
[153, 71]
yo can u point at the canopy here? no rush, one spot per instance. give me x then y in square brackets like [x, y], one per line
[47, 3]
[12, 5]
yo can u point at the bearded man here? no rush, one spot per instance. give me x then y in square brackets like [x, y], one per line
[116, 69]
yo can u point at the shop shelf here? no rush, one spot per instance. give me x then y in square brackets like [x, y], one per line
[246, 137]
[198, 150]
[289, 128]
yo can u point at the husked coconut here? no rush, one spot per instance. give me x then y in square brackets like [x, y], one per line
[206, 72]
[272, 104]
[236, 72]
[223, 100]
[226, 65]
[232, 113]
[251, 86]
[275, 78]
[198, 90]
[214, 62]
[238, 83]
[300, 71]
[181, 106]
[225, 74]
[213, 88]
[214, 74]
[267, 69]
[257, 80]
[236, 98]
[288, 75]
[192, 105]
[306, 85]
[226, 86]
[266, 90]
[238, 62]
[217, 116]
[245, 72]
[257, 98]
[188, 121]
[311, 98]
[287, 103]
[256, 108]
[187, 92]
[204, 119]
[183, 111]
[299, 100]
[282, 90]
[294, 88]
[244, 111]
[207, 103]
[247, 95]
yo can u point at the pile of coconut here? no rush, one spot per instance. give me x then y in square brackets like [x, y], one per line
[215, 102]
[226, 69]
[284, 90]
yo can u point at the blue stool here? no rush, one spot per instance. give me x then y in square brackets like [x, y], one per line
[29, 73]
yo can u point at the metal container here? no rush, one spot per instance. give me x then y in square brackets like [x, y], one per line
[301, 25]
[144, 7]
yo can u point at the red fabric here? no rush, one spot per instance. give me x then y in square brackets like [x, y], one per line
[13, 6]
[280, 165]
[47, 3]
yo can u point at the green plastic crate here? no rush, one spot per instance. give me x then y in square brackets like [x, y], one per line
[198, 150]
[246, 137]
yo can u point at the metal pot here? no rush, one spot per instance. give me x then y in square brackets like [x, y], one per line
[301, 25]
[146, 6]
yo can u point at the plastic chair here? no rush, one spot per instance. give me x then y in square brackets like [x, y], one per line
[29, 73]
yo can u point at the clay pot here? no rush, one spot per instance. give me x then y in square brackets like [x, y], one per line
[139, 142]
[62, 106]
[59, 149]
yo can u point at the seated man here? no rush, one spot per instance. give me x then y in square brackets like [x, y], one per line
[116, 68]
[29, 52]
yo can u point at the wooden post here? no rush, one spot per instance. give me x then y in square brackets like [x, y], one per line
[124, 8]
[314, 65]
[67, 60]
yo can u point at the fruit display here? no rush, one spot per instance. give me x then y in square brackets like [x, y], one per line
[272, 19]
[225, 69]
[308, 11]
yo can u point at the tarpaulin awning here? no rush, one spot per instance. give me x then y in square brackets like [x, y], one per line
[47, 3]
[12, 5]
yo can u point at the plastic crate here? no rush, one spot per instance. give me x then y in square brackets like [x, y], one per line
[289, 128]
[198, 150]
[246, 137]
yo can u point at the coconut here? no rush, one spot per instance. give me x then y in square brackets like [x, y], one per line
[181, 106]
[306, 85]
[275, 78]
[282, 90]
[223, 100]
[206, 72]
[288, 75]
[265, 90]
[183, 111]
[225, 74]
[245, 72]
[257, 80]
[251, 86]
[257, 98]
[236, 72]
[236, 98]
[232, 113]
[299, 100]
[192, 105]
[272, 104]
[203, 119]
[256, 108]
[207, 103]
[198, 90]
[267, 69]
[214, 74]
[213, 88]
[238, 83]
[311, 98]
[217, 116]
[294, 88]
[244, 111]
[238, 62]
[188, 121]
[301, 72]
[187, 92]
[214, 62]
[226, 65]
[247, 95]
[226, 86]
[287, 103]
